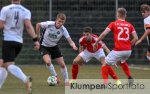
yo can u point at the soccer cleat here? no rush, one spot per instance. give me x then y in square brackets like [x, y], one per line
[58, 80]
[72, 81]
[118, 82]
[130, 81]
[30, 85]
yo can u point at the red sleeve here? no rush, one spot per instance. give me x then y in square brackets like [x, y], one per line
[111, 26]
[81, 41]
[132, 29]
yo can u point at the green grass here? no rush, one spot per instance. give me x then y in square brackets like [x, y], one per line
[40, 74]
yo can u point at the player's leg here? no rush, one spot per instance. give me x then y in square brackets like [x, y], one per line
[84, 56]
[125, 56]
[126, 69]
[63, 68]
[10, 50]
[75, 66]
[111, 59]
[100, 55]
[148, 53]
[3, 74]
[47, 60]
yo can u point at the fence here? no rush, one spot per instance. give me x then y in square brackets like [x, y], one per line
[80, 13]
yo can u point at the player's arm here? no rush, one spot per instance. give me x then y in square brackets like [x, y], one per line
[134, 38]
[106, 49]
[72, 44]
[146, 33]
[102, 35]
[38, 28]
[31, 32]
[1, 24]
[81, 48]
[3, 14]
[30, 28]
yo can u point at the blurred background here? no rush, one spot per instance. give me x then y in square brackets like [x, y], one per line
[95, 13]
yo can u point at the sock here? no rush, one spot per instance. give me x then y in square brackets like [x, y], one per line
[105, 74]
[126, 69]
[52, 70]
[112, 73]
[64, 73]
[3, 76]
[17, 72]
[75, 69]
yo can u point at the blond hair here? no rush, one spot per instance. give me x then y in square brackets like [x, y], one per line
[122, 12]
[61, 16]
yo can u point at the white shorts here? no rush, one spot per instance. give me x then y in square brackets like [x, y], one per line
[114, 56]
[86, 55]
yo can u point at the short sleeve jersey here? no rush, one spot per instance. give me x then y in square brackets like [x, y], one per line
[89, 45]
[121, 30]
[51, 35]
[13, 16]
[147, 26]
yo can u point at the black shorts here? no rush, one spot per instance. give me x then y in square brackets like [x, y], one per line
[10, 50]
[53, 51]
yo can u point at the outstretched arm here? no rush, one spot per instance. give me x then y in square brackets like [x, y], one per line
[147, 32]
[102, 35]
[106, 49]
[38, 27]
[72, 44]
[31, 32]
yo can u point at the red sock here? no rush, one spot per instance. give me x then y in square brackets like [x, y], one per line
[126, 69]
[112, 73]
[75, 69]
[105, 74]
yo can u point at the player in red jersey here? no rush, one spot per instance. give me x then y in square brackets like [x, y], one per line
[122, 31]
[87, 52]
[145, 11]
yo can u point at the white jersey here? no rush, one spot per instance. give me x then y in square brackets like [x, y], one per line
[51, 35]
[147, 26]
[14, 15]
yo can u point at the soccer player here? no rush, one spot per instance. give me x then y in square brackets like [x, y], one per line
[87, 52]
[145, 11]
[13, 17]
[51, 34]
[122, 31]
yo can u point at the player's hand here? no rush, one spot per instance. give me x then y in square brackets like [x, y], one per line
[36, 45]
[75, 48]
[95, 46]
[138, 42]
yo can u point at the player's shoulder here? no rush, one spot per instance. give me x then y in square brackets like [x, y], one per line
[147, 19]
[49, 23]
[25, 9]
[81, 39]
[11, 6]
[6, 7]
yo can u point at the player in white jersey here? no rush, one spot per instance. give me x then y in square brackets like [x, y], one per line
[145, 10]
[13, 17]
[52, 33]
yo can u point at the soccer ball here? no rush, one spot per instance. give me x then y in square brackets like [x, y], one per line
[52, 80]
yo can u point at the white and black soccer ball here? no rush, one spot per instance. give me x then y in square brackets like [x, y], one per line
[52, 80]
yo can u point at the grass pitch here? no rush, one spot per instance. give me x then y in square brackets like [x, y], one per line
[40, 73]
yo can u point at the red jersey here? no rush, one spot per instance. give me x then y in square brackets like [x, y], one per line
[122, 31]
[89, 45]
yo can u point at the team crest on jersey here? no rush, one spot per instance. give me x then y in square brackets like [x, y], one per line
[58, 32]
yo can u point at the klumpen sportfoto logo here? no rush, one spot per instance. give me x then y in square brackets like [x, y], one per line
[111, 86]
[96, 86]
